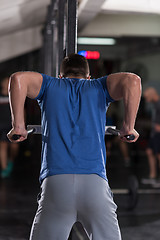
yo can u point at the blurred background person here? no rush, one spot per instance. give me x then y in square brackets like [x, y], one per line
[153, 149]
[8, 151]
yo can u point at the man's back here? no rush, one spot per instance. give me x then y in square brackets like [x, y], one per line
[73, 125]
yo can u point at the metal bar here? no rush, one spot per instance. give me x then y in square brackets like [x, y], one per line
[61, 36]
[54, 36]
[72, 27]
[48, 50]
[38, 130]
[48, 34]
[50, 39]
[54, 48]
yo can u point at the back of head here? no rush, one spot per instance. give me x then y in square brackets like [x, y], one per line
[74, 65]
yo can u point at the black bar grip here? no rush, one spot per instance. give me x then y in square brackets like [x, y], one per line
[130, 137]
[113, 131]
[17, 136]
[116, 132]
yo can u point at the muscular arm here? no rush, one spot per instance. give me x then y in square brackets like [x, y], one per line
[22, 85]
[126, 86]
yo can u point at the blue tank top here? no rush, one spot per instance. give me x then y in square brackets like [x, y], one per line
[73, 116]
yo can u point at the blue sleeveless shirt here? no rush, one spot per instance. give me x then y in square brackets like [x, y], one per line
[73, 117]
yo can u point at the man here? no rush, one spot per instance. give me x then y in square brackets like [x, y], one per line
[74, 185]
[153, 150]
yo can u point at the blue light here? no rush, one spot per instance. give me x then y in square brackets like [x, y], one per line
[83, 53]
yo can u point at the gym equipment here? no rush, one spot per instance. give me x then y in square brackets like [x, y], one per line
[59, 34]
[109, 130]
[116, 132]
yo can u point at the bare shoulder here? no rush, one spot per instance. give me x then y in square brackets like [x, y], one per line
[123, 75]
[117, 82]
[27, 74]
[32, 81]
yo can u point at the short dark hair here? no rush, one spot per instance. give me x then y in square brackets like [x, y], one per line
[75, 65]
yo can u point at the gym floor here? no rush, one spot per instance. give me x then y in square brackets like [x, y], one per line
[19, 192]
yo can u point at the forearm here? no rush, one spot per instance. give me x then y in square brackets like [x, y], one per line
[131, 94]
[17, 96]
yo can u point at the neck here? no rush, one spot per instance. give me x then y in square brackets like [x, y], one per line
[73, 76]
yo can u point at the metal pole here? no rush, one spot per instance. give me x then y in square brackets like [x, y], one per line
[72, 27]
[48, 33]
[54, 36]
[50, 39]
[48, 50]
[61, 32]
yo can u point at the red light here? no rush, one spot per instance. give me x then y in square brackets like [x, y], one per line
[90, 54]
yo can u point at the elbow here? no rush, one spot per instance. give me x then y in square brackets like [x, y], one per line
[14, 81]
[15, 76]
[133, 80]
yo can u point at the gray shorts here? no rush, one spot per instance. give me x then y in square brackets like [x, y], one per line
[68, 198]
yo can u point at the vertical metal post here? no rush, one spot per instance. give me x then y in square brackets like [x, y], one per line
[61, 32]
[48, 50]
[72, 27]
[50, 39]
[54, 36]
[48, 34]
